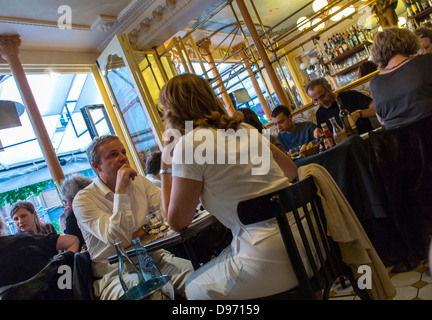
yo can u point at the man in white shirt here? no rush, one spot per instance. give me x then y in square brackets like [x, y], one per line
[115, 206]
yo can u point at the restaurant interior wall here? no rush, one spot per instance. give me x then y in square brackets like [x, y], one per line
[362, 16]
[187, 54]
[289, 64]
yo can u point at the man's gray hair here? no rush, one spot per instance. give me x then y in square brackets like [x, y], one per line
[70, 187]
[92, 153]
[318, 82]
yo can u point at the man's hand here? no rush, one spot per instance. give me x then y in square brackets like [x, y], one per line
[124, 177]
[355, 115]
[318, 133]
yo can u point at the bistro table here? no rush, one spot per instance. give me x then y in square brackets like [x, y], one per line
[169, 238]
[349, 164]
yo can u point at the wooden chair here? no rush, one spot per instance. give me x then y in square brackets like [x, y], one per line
[329, 266]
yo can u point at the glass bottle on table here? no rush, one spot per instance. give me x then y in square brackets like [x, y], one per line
[339, 134]
[150, 272]
[345, 118]
[326, 132]
[130, 276]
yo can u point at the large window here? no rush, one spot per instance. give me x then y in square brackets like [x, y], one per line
[60, 98]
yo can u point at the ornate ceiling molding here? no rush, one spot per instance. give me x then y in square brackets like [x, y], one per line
[126, 17]
[41, 23]
[104, 23]
[154, 26]
[9, 45]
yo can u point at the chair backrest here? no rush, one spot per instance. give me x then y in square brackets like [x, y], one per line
[83, 277]
[43, 285]
[327, 264]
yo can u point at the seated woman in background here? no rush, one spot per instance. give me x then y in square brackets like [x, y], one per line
[24, 254]
[402, 91]
[26, 219]
[256, 263]
[424, 35]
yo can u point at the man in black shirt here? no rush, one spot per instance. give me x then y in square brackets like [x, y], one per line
[358, 105]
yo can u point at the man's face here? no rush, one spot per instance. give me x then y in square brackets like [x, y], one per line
[322, 97]
[112, 155]
[283, 123]
[425, 43]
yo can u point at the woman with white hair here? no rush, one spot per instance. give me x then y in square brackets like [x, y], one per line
[69, 190]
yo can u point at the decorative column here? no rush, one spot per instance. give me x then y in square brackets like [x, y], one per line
[280, 93]
[204, 46]
[240, 50]
[9, 50]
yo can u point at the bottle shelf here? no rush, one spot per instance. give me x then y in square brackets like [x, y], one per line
[417, 17]
[350, 52]
[350, 68]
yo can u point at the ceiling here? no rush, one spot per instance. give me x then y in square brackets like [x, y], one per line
[43, 24]
[38, 22]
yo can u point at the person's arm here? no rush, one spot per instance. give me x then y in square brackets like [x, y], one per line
[285, 163]
[67, 242]
[363, 113]
[95, 218]
[180, 196]
[180, 199]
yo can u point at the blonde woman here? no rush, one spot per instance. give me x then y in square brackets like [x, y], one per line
[26, 219]
[255, 264]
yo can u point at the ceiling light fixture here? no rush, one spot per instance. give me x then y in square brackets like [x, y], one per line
[317, 5]
[303, 23]
[401, 21]
[337, 16]
[317, 25]
[10, 111]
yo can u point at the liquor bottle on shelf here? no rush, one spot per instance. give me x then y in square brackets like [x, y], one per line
[354, 37]
[339, 134]
[350, 40]
[419, 5]
[408, 8]
[344, 116]
[414, 8]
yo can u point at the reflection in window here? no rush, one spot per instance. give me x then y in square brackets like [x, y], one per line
[131, 109]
